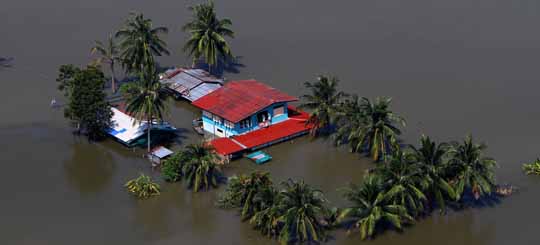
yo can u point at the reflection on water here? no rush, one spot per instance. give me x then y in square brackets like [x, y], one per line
[90, 167]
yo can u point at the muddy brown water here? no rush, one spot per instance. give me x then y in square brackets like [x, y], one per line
[452, 67]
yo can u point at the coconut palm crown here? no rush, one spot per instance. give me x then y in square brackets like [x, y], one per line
[208, 34]
[323, 101]
[147, 101]
[201, 171]
[140, 42]
[471, 170]
[370, 127]
[432, 157]
[371, 210]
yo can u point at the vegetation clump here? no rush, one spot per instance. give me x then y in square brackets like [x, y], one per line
[295, 214]
[87, 107]
[414, 181]
[197, 165]
[532, 168]
[143, 187]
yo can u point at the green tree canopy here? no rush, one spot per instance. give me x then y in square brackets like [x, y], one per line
[470, 169]
[249, 193]
[324, 101]
[432, 158]
[208, 34]
[140, 42]
[201, 171]
[87, 106]
[303, 210]
[146, 100]
[371, 210]
[370, 127]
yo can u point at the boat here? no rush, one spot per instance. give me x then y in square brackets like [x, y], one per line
[259, 157]
[198, 126]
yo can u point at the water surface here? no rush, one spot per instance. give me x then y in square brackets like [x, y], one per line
[452, 67]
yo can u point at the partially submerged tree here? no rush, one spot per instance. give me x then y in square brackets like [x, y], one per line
[140, 42]
[470, 170]
[143, 187]
[108, 54]
[87, 106]
[208, 34]
[532, 168]
[323, 101]
[249, 193]
[432, 158]
[201, 171]
[404, 180]
[370, 127]
[371, 210]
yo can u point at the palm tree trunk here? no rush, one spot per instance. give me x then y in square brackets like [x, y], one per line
[148, 128]
[113, 82]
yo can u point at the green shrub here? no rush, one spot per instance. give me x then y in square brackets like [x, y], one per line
[532, 168]
[142, 187]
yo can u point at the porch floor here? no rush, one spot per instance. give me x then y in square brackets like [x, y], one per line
[294, 126]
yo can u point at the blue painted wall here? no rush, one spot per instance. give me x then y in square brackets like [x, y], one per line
[212, 127]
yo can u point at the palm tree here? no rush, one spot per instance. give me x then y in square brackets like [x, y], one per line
[371, 127]
[208, 34]
[267, 219]
[147, 100]
[247, 192]
[323, 101]
[200, 169]
[470, 169]
[108, 54]
[403, 179]
[140, 41]
[303, 209]
[370, 209]
[431, 157]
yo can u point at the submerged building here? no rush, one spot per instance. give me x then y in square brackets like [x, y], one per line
[248, 115]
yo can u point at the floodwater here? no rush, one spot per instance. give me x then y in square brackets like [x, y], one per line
[452, 67]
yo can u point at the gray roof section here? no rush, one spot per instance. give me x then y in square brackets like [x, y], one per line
[191, 84]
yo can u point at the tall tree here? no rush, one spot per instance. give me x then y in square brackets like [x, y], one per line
[303, 209]
[109, 54]
[370, 127]
[147, 101]
[140, 41]
[87, 106]
[323, 100]
[201, 170]
[208, 34]
[470, 169]
[432, 159]
[370, 209]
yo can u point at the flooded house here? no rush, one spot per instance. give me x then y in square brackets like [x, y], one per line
[247, 115]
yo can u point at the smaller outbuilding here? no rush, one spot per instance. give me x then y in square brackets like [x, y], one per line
[190, 84]
[158, 154]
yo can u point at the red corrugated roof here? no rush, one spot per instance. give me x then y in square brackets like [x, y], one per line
[237, 100]
[294, 125]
